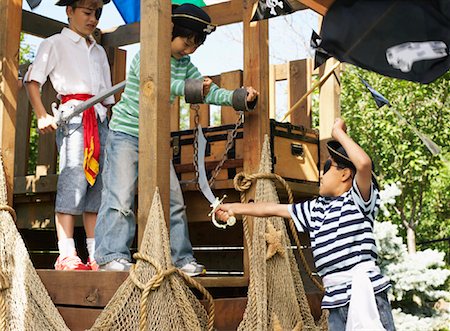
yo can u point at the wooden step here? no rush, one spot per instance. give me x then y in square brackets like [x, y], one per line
[81, 295]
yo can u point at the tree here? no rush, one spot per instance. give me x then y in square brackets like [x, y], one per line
[398, 154]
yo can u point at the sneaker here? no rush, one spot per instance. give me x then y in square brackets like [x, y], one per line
[116, 265]
[72, 262]
[193, 269]
[92, 264]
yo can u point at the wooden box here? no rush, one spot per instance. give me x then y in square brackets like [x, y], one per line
[295, 152]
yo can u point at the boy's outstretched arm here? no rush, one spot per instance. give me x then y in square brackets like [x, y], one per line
[259, 209]
[357, 155]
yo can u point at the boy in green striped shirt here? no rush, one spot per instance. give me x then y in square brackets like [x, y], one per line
[116, 224]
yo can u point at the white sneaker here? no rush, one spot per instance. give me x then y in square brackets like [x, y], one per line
[193, 269]
[116, 265]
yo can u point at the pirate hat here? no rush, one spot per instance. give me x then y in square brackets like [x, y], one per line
[191, 17]
[340, 156]
[69, 2]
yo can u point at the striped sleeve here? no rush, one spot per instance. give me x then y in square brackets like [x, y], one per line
[366, 207]
[301, 215]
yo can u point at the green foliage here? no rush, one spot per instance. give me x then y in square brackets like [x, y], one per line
[418, 281]
[398, 154]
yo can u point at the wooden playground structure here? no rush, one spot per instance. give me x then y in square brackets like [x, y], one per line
[222, 251]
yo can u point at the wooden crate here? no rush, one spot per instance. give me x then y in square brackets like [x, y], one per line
[295, 152]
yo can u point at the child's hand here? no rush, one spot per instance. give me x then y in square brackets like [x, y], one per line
[224, 212]
[206, 85]
[339, 125]
[46, 124]
[251, 94]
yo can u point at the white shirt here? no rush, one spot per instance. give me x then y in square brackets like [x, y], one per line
[73, 66]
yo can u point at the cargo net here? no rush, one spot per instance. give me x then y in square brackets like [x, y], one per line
[276, 296]
[24, 301]
[155, 295]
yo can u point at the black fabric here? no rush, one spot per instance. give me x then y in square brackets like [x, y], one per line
[277, 8]
[192, 17]
[380, 100]
[339, 155]
[34, 3]
[406, 39]
[69, 2]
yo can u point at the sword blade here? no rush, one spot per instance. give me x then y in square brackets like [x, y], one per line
[78, 109]
[202, 179]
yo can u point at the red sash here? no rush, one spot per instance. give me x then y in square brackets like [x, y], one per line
[91, 139]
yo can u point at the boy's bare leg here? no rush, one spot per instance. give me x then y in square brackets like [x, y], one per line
[89, 220]
[64, 225]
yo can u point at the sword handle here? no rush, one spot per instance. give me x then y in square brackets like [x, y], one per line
[223, 225]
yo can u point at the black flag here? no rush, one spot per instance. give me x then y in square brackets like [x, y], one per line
[406, 39]
[34, 3]
[271, 8]
[379, 98]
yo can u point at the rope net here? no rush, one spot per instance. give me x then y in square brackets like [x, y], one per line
[24, 301]
[276, 295]
[155, 295]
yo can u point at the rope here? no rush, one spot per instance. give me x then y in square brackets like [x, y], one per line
[243, 182]
[156, 281]
[10, 210]
[4, 285]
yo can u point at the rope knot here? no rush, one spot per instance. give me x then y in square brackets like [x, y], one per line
[4, 282]
[242, 182]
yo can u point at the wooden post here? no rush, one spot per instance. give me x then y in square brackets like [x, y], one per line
[10, 25]
[230, 80]
[154, 107]
[299, 82]
[329, 107]
[256, 74]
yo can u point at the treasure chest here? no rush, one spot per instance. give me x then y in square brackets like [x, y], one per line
[294, 149]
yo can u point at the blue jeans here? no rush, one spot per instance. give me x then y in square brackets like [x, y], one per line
[116, 225]
[338, 316]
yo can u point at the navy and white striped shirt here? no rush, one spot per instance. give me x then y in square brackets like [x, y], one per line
[341, 232]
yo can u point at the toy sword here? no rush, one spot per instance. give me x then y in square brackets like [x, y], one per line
[204, 185]
[78, 109]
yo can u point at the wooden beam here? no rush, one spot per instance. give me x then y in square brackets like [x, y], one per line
[319, 6]
[299, 82]
[223, 13]
[11, 14]
[40, 26]
[154, 105]
[256, 74]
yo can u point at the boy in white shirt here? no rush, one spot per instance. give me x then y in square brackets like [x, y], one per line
[78, 69]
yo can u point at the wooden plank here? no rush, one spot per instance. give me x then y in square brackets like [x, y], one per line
[329, 107]
[87, 288]
[47, 155]
[40, 26]
[281, 71]
[11, 13]
[175, 115]
[319, 6]
[23, 124]
[154, 126]
[79, 319]
[35, 184]
[299, 82]
[230, 81]
[256, 74]
[118, 62]
[272, 92]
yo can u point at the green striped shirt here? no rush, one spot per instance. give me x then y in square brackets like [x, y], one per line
[125, 114]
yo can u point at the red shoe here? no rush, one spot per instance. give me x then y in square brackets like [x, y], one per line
[70, 263]
[92, 264]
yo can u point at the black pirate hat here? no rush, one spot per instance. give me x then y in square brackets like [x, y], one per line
[191, 17]
[69, 2]
[340, 156]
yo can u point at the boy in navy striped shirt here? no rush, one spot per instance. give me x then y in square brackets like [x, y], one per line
[340, 224]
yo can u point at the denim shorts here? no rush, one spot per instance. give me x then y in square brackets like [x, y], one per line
[338, 316]
[74, 195]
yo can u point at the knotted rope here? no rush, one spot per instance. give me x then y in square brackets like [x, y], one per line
[4, 285]
[156, 281]
[242, 183]
[10, 210]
